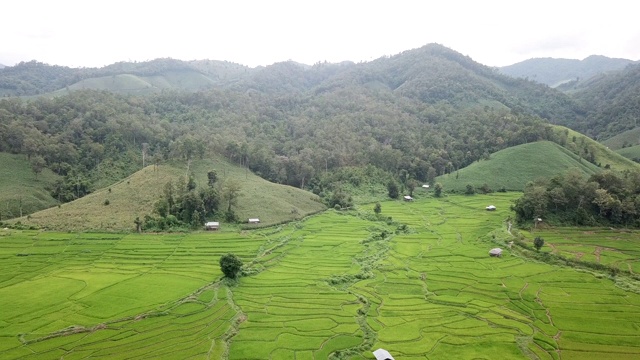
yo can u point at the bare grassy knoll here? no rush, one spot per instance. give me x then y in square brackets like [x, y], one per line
[135, 196]
[127, 199]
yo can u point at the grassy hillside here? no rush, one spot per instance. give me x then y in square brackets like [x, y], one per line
[135, 84]
[629, 137]
[135, 196]
[18, 185]
[602, 155]
[512, 168]
[271, 203]
[632, 152]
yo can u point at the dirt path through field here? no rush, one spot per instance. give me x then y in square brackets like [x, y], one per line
[597, 252]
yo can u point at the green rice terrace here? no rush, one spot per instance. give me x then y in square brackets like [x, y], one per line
[336, 285]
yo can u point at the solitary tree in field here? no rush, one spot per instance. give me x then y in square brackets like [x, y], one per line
[377, 209]
[538, 242]
[138, 223]
[470, 190]
[437, 190]
[230, 265]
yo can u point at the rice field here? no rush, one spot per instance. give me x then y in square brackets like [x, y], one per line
[614, 247]
[416, 281]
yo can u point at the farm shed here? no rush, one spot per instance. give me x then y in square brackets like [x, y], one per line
[212, 225]
[382, 354]
[490, 208]
[254, 221]
[495, 252]
[425, 186]
[408, 198]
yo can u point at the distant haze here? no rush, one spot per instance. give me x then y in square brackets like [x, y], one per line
[495, 33]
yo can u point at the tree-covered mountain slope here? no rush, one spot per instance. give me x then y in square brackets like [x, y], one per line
[611, 103]
[430, 74]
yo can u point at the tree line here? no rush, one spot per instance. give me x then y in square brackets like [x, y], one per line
[94, 137]
[605, 198]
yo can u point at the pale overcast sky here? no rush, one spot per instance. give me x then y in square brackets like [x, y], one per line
[496, 33]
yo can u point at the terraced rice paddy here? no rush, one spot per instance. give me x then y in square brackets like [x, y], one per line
[613, 247]
[334, 286]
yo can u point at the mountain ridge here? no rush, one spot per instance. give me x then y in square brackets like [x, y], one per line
[555, 72]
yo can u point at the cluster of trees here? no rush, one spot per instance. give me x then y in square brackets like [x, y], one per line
[182, 205]
[607, 197]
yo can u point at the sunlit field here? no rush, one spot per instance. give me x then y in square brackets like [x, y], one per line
[417, 281]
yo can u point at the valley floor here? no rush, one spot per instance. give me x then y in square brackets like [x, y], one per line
[336, 285]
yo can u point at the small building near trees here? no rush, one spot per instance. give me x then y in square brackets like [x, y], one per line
[212, 226]
[254, 221]
[490, 208]
[407, 198]
[497, 252]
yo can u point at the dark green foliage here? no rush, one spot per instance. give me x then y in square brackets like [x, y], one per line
[212, 177]
[606, 198]
[538, 242]
[230, 265]
[106, 202]
[437, 190]
[485, 189]
[71, 187]
[470, 190]
[340, 198]
[392, 189]
[182, 206]
[377, 208]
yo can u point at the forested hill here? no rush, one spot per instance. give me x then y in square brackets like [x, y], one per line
[412, 116]
[430, 74]
[611, 104]
[555, 72]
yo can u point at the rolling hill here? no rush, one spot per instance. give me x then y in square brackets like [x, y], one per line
[512, 168]
[587, 147]
[20, 190]
[555, 72]
[631, 152]
[622, 140]
[35, 78]
[136, 195]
